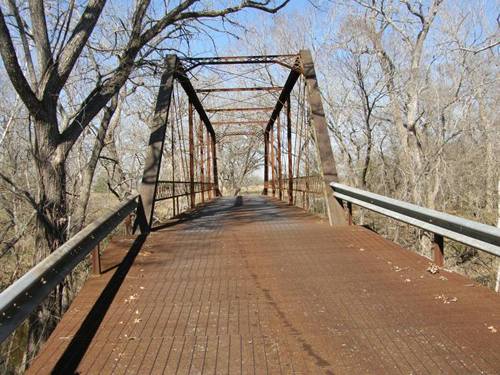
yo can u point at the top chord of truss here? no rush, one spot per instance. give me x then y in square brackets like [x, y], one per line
[288, 61]
[238, 89]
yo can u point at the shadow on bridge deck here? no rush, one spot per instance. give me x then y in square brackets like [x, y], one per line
[250, 285]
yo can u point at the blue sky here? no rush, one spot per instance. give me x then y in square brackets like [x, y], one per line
[223, 41]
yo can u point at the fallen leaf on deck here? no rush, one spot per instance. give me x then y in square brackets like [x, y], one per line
[433, 268]
[446, 299]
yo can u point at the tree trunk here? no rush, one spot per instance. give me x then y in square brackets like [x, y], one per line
[51, 225]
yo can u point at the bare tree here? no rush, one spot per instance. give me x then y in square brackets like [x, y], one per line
[58, 118]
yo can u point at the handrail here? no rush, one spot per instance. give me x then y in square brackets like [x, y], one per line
[19, 299]
[174, 189]
[471, 233]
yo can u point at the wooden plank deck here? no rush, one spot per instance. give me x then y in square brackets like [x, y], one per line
[252, 286]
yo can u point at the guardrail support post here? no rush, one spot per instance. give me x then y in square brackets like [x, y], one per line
[438, 249]
[349, 212]
[96, 260]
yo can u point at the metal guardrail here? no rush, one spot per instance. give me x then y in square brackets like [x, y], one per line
[21, 298]
[471, 233]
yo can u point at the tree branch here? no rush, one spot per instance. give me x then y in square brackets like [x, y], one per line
[40, 35]
[24, 40]
[56, 79]
[14, 71]
[98, 98]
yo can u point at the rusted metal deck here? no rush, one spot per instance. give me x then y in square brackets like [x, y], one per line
[250, 285]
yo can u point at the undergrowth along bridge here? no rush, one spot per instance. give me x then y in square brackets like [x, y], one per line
[255, 284]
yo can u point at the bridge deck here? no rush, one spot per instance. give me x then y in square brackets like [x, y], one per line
[249, 285]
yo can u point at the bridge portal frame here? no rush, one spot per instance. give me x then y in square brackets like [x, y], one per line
[300, 64]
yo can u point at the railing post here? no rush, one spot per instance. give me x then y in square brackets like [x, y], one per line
[191, 155]
[349, 212]
[438, 249]
[96, 260]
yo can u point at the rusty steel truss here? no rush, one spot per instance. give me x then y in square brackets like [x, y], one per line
[298, 65]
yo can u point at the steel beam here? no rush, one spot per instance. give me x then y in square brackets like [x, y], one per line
[191, 93]
[192, 194]
[229, 134]
[240, 89]
[326, 159]
[201, 145]
[158, 128]
[214, 164]
[273, 173]
[209, 163]
[193, 62]
[244, 109]
[246, 122]
[280, 170]
[266, 163]
[285, 93]
[289, 148]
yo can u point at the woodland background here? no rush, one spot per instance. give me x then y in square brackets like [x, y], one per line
[410, 88]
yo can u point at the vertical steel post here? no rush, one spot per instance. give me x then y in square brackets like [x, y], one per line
[280, 171]
[172, 150]
[149, 183]
[289, 146]
[266, 163]
[191, 156]
[438, 249]
[326, 158]
[214, 166]
[202, 160]
[209, 165]
[273, 172]
[307, 167]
